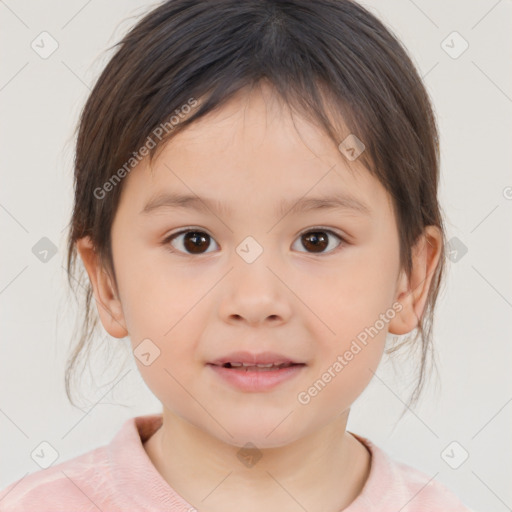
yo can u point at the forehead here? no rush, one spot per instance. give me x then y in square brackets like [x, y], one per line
[253, 150]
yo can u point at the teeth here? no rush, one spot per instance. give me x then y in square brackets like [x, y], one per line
[261, 365]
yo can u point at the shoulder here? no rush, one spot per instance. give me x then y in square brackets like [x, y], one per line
[392, 484]
[425, 491]
[63, 487]
[114, 477]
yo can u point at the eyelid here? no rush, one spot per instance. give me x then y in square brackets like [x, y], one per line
[334, 231]
[187, 229]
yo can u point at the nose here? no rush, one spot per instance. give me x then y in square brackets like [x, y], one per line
[255, 294]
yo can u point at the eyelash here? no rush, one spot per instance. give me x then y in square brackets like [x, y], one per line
[171, 237]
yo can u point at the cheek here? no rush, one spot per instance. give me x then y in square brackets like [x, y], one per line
[343, 372]
[363, 288]
[357, 308]
[168, 380]
[155, 295]
[165, 348]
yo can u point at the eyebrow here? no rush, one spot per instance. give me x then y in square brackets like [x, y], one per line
[341, 201]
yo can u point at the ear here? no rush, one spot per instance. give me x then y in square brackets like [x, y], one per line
[412, 293]
[105, 293]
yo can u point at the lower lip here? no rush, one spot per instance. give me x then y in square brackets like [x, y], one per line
[255, 380]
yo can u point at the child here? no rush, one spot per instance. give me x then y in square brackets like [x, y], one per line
[296, 141]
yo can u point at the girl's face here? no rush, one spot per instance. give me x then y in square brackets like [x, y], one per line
[268, 270]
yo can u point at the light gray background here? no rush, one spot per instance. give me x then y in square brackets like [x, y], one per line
[40, 100]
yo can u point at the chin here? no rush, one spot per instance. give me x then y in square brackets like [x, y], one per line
[263, 435]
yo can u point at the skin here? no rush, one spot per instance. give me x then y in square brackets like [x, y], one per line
[308, 305]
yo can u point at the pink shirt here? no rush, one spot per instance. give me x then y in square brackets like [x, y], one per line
[121, 477]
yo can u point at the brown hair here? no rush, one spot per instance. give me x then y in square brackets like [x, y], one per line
[309, 51]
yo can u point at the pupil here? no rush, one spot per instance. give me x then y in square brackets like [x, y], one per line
[317, 240]
[196, 238]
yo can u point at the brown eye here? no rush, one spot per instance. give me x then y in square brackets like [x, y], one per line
[318, 241]
[198, 242]
[193, 242]
[315, 241]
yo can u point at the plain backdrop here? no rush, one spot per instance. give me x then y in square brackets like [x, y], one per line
[470, 403]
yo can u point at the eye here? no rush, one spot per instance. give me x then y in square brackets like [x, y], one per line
[318, 239]
[195, 241]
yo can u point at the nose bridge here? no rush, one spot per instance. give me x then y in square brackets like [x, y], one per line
[253, 260]
[250, 250]
[254, 291]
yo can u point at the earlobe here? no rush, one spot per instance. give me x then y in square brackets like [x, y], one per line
[412, 293]
[105, 294]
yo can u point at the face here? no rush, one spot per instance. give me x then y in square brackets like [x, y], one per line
[246, 269]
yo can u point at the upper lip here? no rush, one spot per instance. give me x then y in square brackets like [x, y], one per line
[254, 358]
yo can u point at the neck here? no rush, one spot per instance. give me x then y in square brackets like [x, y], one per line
[323, 471]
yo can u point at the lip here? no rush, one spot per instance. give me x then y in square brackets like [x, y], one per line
[256, 380]
[254, 358]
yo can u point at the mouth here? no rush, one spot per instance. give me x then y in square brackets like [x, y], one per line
[251, 361]
[250, 367]
[256, 377]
